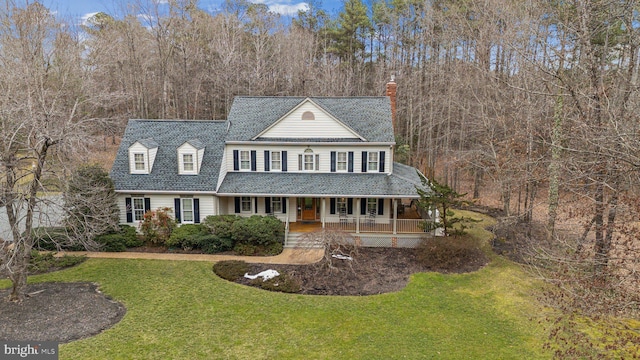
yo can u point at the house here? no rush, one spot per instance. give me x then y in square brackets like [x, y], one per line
[327, 161]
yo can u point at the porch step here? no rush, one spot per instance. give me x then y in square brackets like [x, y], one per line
[294, 239]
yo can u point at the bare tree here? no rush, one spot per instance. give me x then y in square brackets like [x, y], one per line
[42, 122]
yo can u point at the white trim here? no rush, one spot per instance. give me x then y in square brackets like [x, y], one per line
[240, 152]
[395, 196]
[193, 213]
[305, 143]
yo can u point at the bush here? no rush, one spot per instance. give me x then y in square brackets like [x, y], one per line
[212, 243]
[157, 225]
[221, 226]
[230, 270]
[53, 239]
[450, 253]
[187, 236]
[258, 231]
[111, 242]
[44, 262]
[130, 236]
[282, 283]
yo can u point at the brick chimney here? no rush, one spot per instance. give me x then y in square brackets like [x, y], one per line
[391, 93]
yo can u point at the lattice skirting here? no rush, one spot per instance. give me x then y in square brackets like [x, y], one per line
[387, 240]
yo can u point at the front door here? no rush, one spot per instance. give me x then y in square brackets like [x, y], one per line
[308, 209]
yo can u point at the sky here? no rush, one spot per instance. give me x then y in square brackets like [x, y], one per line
[80, 10]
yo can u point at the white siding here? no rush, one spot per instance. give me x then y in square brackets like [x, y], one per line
[324, 126]
[294, 150]
[152, 158]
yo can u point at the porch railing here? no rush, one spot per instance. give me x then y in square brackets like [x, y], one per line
[403, 226]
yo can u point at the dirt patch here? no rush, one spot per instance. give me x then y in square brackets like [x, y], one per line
[60, 312]
[372, 271]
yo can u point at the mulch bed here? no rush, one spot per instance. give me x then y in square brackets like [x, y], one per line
[59, 312]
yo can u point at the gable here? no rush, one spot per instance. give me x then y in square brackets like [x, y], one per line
[308, 121]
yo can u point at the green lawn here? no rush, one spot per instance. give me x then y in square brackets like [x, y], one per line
[181, 310]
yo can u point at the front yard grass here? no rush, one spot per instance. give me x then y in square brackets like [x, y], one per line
[181, 310]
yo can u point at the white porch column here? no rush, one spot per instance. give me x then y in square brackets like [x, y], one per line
[395, 216]
[323, 209]
[358, 215]
[216, 205]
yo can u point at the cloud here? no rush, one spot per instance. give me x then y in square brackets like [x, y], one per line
[286, 9]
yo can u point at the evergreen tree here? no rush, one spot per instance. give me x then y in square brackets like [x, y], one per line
[435, 196]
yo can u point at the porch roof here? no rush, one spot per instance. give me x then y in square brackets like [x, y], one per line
[399, 184]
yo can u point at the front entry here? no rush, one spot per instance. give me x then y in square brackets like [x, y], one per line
[308, 208]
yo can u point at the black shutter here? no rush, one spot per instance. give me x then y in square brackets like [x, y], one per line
[284, 204]
[381, 167]
[176, 206]
[196, 211]
[254, 167]
[266, 160]
[299, 162]
[237, 205]
[350, 206]
[363, 206]
[236, 160]
[147, 204]
[317, 162]
[380, 206]
[364, 161]
[267, 205]
[332, 206]
[350, 165]
[255, 205]
[129, 209]
[283, 159]
[333, 161]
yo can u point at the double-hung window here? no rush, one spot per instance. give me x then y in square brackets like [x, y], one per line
[138, 159]
[245, 160]
[372, 206]
[276, 160]
[308, 162]
[341, 206]
[373, 161]
[138, 209]
[276, 205]
[187, 210]
[245, 204]
[187, 162]
[341, 161]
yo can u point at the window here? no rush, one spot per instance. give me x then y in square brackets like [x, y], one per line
[138, 209]
[276, 205]
[245, 160]
[372, 206]
[245, 204]
[276, 162]
[187, 162]
[341, 205]
[373, 161]
[308, 162]
[341, 161]
[308, 115]
[187, 210]
[138, 159]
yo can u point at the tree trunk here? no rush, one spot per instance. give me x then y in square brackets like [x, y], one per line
[554, 168]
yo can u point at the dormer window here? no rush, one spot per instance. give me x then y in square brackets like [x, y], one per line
[308, 161]
[142, 154]
[190, 156]
[308, 115]
[140, 164]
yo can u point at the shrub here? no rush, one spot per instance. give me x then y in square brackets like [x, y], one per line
[221, 226]
[282, 283]
[258, 231]
[157, 225]
[230, 270]
[187, 236]
[130, 236]
[114, 242]
[54, 239]
[212, 243]
[450, 253]
[44, 262]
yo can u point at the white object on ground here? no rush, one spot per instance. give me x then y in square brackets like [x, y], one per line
[342, 257]
[265, 275]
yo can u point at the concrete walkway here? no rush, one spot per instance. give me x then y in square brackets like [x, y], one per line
[293, 256]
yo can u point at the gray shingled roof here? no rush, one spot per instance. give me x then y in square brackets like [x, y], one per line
[170, 135]
[148, 143]
[313, 184]
[367, 116]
